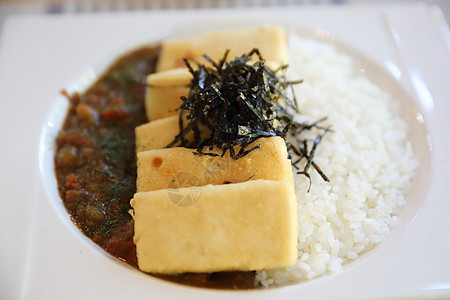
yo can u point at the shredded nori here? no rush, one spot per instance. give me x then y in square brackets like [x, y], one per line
[239, 102]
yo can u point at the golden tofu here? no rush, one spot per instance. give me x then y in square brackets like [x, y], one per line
[244, 226]
[271, 41]
[157, 169]
[158, 134]
[164, 91]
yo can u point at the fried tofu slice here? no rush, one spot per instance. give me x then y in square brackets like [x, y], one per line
[164, 91]
[158, 134]
[243, 226]
[271, 41]
[158, 169]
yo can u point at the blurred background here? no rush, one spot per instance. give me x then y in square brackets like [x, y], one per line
[51, 7]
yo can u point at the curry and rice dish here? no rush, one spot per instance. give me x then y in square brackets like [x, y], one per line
[265, 162]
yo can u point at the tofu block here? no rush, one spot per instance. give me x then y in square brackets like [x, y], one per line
[157, 169]
[271, 41]
[164, 91]
[158, 134]
[244, 226]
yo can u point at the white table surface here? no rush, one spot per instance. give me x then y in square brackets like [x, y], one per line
[42, 258]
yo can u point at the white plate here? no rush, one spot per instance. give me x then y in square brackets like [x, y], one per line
[412, 116]
[77, 268]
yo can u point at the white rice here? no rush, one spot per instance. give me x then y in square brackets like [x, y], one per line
[367, 158]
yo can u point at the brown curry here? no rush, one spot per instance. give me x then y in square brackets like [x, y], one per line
[95, 163]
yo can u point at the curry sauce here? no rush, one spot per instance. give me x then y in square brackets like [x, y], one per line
[95, 163]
